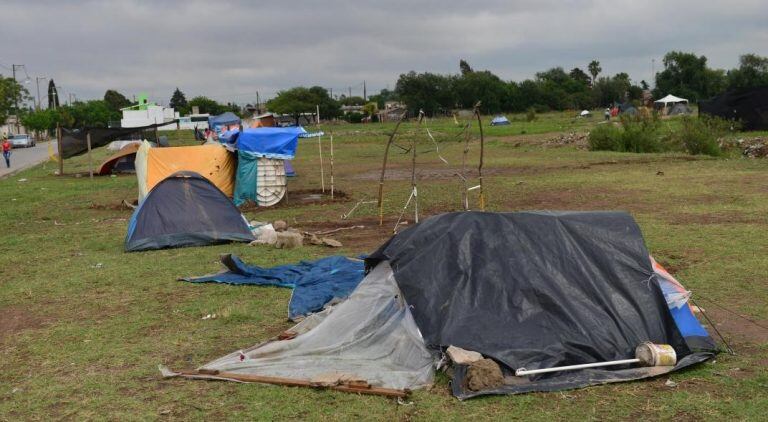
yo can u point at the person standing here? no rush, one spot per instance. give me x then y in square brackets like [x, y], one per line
[7, 151]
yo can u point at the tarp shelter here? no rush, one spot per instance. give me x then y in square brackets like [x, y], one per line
[74, 141]
[124, 161]
[224, 119]
[749, 106]
[670, 99]
[185, 209]
[585, 113]
[212, 161]
[314, 283]
[529, 289]
[258, 145]
[500, 121]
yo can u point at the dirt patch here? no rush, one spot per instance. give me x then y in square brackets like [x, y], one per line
[484, 375]
[301, 197]
[16, 319]
[363, 239]
[581, 199]
[432, 172]
[736, 328]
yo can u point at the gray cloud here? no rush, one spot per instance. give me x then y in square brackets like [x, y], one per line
[231, 49]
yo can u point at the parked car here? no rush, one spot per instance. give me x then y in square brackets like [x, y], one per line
[24, 140]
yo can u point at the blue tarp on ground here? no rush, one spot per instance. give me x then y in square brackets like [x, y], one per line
[270, 142]
[314, 283]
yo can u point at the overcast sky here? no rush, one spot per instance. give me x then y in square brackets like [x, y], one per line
[229, 50]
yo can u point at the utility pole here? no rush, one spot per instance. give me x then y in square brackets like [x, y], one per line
[258, 104]
[37, 82]
[350, 92]
[365, 93]
[16, 95]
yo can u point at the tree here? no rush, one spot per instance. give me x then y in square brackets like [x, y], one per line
[53, 95]
[94, 113]
[115, 100]
[644, 84]
[178, 101]
[298, 100]
[40, 120]
[752, 72]
[370, 109]
[578, 75]
[481, 86]
[464, 67]
[687, 75]
[206, 105]
[425, 91]
[11, 94]
[594, 69]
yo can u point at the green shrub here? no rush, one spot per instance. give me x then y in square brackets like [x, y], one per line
[354, 117]
[640, 133]
[700, 136]
[530, 115]
[604, 137]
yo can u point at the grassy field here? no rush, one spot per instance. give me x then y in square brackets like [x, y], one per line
[83, 325]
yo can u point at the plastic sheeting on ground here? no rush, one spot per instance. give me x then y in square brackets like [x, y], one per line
[371, 336]
[214, 162]
[534, 290]
[314, 283]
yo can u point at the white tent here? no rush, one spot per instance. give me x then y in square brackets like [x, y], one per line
[671, 99]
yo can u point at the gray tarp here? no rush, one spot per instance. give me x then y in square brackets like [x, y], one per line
[370, 336]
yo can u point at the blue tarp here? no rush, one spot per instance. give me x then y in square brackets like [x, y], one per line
[227, 118]
[270, 142]
[314, 283]
[229, 136]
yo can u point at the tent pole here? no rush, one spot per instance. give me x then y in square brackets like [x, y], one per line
[480, 166]
[331, 165]
[384, 168]
[322, 176]
[90, 160]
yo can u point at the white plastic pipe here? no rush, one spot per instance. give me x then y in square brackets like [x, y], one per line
[522, 371]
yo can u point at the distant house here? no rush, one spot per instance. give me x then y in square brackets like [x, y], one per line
[10, 126]
[346, 109]
[145, 113]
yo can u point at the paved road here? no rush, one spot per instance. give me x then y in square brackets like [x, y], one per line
[22, 158]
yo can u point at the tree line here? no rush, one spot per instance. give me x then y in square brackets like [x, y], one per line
[685, 75]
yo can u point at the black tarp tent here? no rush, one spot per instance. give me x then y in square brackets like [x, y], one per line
[74, 141]
[185, 209]
[528, 289]
[749, 106]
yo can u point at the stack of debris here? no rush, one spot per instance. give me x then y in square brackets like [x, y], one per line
[579, 140]
[753, 147]
[281, 236]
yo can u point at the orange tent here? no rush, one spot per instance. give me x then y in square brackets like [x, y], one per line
[212, 161]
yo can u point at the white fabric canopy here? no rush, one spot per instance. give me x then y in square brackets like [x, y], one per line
[671, 99]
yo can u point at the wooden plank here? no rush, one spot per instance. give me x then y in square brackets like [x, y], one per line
[359, 387]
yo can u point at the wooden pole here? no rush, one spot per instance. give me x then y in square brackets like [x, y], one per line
[414, 192]
[384, 168]
[90, 158]
[59, 147]
[480, 166]
[360, 387]
[331, 165]
[322, 176]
